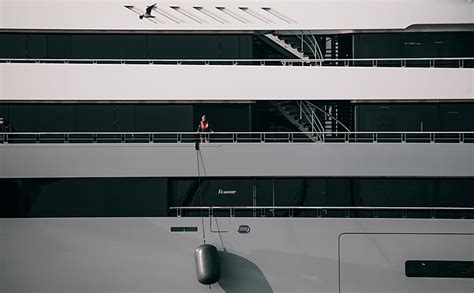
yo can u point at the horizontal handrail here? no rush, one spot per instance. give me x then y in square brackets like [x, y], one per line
[324, 208]
[240, 137]
[322, 211]
[235, 132]
[459, 62]
[228, 60]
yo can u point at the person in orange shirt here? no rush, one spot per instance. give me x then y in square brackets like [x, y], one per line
[204, 128]
[5, 126]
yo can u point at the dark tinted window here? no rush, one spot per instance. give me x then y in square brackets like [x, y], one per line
[143, 197]
[439, 269]
[12, 46]
[84, 197]
[125, 117]
[413, 45]
[126, 46]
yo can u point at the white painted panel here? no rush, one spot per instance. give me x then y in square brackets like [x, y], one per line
[140, 255]
[237, 159]
[372, 263]
[299, 14]
[221, 82]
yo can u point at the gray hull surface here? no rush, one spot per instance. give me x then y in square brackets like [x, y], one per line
[278, 254]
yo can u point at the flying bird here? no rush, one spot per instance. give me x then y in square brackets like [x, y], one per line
[147, 13]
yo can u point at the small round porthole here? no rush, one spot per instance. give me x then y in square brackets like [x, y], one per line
[243, 229]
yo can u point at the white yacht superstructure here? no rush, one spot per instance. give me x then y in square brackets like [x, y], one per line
[339, 156]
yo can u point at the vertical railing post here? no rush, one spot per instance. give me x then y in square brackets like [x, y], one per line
[301, 110]
[302, 42]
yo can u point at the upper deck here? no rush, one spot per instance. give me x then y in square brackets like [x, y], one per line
[189, 15]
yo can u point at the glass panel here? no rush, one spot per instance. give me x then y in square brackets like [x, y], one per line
[439, 269]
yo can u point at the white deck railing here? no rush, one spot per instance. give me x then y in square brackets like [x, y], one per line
[324, 211]
[454, 62]
[239, 137]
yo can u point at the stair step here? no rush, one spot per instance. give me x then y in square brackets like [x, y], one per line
[293, 111]
[284, 44]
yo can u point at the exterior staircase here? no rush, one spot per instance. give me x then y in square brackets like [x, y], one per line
[314, 120]
[331, 49]
[307, 46]
[287, 46]
[301, 117]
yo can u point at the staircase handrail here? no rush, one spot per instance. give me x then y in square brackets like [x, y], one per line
[330, 115]
[313, 119]
[308, 111]
[314, 46]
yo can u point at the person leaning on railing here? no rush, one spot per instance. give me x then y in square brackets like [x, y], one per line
[5, 126]
[204, 129]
